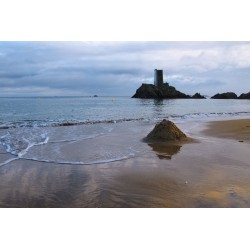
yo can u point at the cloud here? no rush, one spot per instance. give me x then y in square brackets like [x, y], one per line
[118, 68]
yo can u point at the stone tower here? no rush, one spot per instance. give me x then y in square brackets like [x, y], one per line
[158, 77]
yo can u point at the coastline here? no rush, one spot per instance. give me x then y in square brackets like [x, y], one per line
[212, 172]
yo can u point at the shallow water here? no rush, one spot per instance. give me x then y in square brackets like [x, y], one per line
[105, 163]
[76, 145]
[41, 111]
[35, 128]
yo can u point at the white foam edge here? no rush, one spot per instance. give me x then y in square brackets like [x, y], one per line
[22, 153]
[8, 161]
[131, 155]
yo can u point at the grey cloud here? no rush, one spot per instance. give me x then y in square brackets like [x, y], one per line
[109, 68]
[15, 75]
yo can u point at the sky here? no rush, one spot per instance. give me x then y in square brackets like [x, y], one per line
[119, 68]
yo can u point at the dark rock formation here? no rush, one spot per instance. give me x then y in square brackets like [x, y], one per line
[198, 96]
[244, 96]
[148, 91]
[228, 95]
[165, 131]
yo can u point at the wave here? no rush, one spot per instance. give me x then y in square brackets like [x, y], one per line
[32, 124]
[19, 143]
[131, 155]
[49, 123]
[208, 115]
[30, 145]
[20, 146]
[8, 161]
[102, 161]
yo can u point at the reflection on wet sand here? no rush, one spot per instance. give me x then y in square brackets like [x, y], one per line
[165, 151]
[185, 181]
[36, 184]
[211, 173]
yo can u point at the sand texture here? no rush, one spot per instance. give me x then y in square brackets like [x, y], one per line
[232, 129]
[213, 172]
[165, 131]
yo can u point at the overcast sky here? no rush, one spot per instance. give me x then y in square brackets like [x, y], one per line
[119, 68]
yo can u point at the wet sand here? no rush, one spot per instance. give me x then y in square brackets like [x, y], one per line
[212, 172]
[231, 129]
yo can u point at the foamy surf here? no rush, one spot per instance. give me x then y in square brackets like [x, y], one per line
[82, 162]
[18, 144]
[74, 145]
[8, 161]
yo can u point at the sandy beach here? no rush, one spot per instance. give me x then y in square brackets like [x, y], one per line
[213, 171]
[232, 129]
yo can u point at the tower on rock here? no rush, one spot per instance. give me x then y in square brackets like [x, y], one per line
[158, 77]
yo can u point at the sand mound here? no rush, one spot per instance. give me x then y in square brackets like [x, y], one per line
[165, 131]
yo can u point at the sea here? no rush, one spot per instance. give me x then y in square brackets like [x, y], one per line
[41, 128]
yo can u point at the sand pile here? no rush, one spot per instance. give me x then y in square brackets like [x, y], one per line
[165, 131]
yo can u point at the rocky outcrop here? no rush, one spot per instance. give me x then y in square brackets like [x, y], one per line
[228, 95]
[165, 131]
[147, 91]
[198, 96]
[244, 96]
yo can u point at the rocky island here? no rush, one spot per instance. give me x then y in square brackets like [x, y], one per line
[231, 95]
[160, 90]
[244, 96]
[228, 95]
[148, 91]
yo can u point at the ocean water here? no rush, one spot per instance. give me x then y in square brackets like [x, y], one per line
[49, 111]
[35, 128]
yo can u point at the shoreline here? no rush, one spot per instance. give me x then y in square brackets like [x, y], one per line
[212, 172]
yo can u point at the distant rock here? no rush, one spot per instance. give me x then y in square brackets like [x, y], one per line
[165, 131]
[147, 91]
[95, 95]
[244, 96]
[228, 95]
[198, 96]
